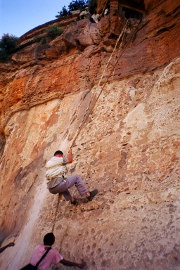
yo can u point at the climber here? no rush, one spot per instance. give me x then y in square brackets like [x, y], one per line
[58, 182]
[52, 256]
[106, 12]
[8, 245]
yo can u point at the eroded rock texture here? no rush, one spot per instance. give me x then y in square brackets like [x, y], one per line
[109, 91]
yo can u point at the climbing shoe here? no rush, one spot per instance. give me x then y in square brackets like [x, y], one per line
[92, 194]
[74, 202]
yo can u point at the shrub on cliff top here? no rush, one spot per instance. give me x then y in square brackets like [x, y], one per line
[77, 4]
[74, 5]
[8, 45]
[63, 13]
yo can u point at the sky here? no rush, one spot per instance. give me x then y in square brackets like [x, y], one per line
[19, 16]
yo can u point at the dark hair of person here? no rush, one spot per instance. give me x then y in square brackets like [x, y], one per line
[58, 152]
[49, 239]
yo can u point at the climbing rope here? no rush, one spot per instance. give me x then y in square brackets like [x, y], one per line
[90, 112]
[121, 36]
[58, 201]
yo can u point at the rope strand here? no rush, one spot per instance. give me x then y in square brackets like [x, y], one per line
[58, 201]
[84, 120]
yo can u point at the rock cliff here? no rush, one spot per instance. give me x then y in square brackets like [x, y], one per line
[109, 91]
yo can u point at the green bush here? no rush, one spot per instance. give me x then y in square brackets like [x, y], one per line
[74, 5]
[54, 31]
[37, 39]
[63, 13]
[41, 40]
[77, 4]
[8, 45]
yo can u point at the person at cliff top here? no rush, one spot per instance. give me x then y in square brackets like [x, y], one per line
[52, 257]
[58, 182]
[95, 18]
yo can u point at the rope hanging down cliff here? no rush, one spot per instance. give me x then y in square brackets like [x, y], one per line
[101, 89]
[121, 36]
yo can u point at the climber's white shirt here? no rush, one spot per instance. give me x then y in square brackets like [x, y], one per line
[55, 167]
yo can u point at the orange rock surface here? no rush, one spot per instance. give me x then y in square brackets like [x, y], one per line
[109, 91]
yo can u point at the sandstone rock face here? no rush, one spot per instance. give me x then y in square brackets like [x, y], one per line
[116, 105]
